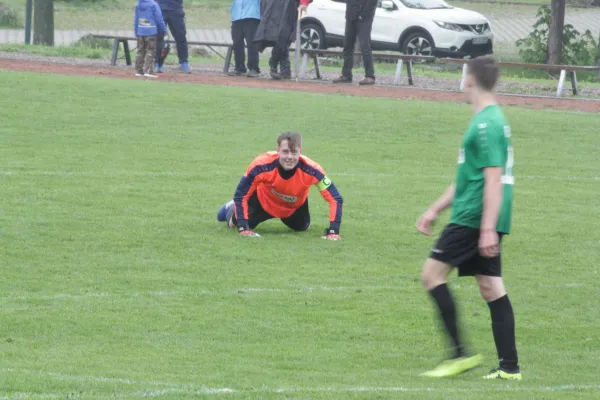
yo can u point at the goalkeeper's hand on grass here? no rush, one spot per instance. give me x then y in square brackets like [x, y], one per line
[332, 234]
[249, 233]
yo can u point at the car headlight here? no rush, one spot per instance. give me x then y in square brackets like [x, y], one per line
[449, 26]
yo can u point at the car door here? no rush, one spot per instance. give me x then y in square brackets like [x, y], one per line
[385, 26]
[332, 14]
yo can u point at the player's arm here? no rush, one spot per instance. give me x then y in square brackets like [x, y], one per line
[444, 202]
[491, 150]
[336, 203]
[246, 187]
[492, 198]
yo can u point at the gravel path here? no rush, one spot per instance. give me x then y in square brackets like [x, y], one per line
[440, 83]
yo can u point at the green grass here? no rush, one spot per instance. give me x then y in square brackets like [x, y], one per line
[57, 51]
[208, 14]
[119, 283]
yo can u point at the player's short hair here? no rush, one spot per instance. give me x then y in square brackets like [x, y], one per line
[294, 140]
[485, 70]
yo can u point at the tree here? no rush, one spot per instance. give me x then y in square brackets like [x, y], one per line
[43, 22]
[555, 32]
[598, 58]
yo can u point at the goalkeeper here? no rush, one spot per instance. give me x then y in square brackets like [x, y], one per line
[276, 185]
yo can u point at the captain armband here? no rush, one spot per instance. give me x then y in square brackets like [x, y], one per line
[323, 184]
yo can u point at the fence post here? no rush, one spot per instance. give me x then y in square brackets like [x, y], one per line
[463, 77]
[561, 83]
[398, 72]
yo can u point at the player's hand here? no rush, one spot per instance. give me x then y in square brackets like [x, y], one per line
[249, 233]
[332, 236]
[489, 244]
[425, 222]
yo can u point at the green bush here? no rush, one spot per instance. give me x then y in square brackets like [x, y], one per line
[578, 49]
[9, 18]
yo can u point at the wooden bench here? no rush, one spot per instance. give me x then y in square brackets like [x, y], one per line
[117, 40]
[399, 58]
[564, 69]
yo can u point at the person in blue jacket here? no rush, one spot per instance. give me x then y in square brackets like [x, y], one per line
[245, 17]
[147, 22]
[175, 19]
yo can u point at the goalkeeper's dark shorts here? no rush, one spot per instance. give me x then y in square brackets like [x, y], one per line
[298, 221]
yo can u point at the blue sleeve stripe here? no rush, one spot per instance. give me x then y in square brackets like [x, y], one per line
[338, 198]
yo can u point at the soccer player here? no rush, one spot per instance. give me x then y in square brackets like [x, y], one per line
[276, 185]
[481, 202]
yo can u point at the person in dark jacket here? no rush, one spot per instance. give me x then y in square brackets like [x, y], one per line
[245, 17]
[277, 29]
[146, 24]
[174, 16]
[359, 21]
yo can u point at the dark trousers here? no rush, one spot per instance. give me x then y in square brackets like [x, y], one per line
[175, 21]
[298, 221]
[362, 29]
[244, 30]
[280, 56]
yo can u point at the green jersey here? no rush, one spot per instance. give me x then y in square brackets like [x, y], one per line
[486, 143]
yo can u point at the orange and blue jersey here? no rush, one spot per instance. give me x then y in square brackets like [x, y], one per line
[282, 196]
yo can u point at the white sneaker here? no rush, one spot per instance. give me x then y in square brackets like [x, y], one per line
[138, 74]
[150, 76]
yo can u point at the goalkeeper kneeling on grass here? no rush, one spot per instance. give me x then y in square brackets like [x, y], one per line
[276, 185]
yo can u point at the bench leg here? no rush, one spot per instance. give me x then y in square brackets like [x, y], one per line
[463, 78]
[115, 52]
[317, 69]
[126, 50]
[574, 83]
[561, 83]
[409, 72]
[228, 59]
[396, 80]
[304, 65]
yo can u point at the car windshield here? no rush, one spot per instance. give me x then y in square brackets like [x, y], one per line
[426, 4]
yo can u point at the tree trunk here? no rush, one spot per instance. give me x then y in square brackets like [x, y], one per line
[555, 31]
[596, 3]
[598, 59]
[43, 22]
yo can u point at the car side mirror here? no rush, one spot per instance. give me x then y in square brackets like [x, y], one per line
[387, 5]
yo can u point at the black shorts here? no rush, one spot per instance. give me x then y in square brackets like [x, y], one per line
[298, 221]
[458, 246]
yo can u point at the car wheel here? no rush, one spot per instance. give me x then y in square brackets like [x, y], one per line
[418, 44]
[312, 37]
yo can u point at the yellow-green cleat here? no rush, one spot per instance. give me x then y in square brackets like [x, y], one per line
[454, 366]
[501, 374]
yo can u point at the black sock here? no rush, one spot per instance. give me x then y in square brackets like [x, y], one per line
[443, 298]
[503, 326]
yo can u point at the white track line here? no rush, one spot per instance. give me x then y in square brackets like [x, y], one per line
[252, 290]
[174, 388]
[201, 292]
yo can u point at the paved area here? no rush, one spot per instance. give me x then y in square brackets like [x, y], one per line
[507, 29]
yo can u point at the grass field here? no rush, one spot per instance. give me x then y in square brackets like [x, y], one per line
[207, 14]
[119, 283]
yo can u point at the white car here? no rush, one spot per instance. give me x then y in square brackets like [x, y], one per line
[413, 27]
